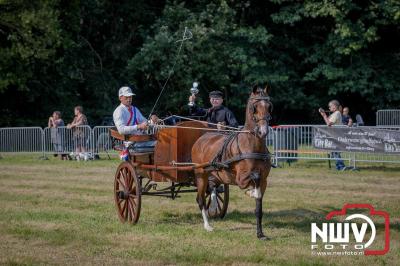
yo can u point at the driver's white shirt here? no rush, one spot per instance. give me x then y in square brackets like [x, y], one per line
[121, 117]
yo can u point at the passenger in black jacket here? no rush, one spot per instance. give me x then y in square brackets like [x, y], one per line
[217, 114]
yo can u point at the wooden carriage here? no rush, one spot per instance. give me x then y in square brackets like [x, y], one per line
[169, 163]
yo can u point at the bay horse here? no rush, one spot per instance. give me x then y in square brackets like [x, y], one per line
[241, 158]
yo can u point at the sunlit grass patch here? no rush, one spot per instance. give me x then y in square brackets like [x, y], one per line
[54, 212]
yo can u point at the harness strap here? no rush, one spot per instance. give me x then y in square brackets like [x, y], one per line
[237, 158]
[218, 158]
[244, 156]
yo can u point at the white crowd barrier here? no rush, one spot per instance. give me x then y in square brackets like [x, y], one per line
[22, 139]
[102, 142]
[287, 143]
[295, 142]
[390, 117]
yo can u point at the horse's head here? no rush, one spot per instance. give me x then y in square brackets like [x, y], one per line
[259, 108]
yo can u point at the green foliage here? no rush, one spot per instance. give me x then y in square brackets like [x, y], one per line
[222, 55]
[58, 54]
[30, 35]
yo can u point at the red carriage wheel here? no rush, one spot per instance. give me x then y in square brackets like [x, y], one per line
[127, 193]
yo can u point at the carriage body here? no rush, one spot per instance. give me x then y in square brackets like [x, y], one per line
[169, 163]
[172, 150]
[174, 145]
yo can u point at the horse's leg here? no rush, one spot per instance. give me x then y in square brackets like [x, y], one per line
[258, 193]
[259, 214]
[259, 211]
[212, 186]
[201, 181]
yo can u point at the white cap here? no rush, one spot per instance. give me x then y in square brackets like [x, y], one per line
[125, 91]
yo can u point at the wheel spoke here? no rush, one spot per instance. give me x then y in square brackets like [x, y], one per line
[120, 201]
[126, 179]
[123, 173]
[133, 184]
[124, 208]
[121, 183]
[132, 212]
[126, 211]
[220, 198]
[219, 206]
[133, 202]
[129, 181]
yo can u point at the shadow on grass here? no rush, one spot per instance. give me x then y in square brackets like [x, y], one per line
[299, 219]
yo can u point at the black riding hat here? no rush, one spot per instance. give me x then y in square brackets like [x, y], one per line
[216, 94]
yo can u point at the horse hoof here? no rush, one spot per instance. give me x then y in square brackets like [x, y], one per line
[208, 228]
[249, 193]
[263, 238]
[211, 213]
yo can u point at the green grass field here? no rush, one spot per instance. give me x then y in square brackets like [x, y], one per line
[62, 212]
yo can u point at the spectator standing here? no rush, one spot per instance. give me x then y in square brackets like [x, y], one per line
[346, 118]
[335, 119]
[56, 135]
[79, 133]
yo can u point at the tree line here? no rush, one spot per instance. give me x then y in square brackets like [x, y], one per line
[56, 54]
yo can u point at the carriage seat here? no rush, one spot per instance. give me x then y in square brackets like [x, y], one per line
[135, 143]
[142, 147]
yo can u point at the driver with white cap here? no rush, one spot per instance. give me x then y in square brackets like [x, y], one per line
[127, 118]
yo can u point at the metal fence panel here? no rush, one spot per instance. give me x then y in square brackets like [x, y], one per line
[287, 142]
[21, 139]
[102, 141]
[294, 142]
[390, 117]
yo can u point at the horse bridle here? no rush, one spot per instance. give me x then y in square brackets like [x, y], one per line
[257, 99]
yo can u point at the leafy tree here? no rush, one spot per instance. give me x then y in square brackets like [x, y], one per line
[58, 54]
[221, 55]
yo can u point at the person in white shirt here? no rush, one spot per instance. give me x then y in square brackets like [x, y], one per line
[127, 118]
[335, 119]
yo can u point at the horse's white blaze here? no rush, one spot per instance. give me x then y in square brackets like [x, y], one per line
[264, 130]
[205, 219]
